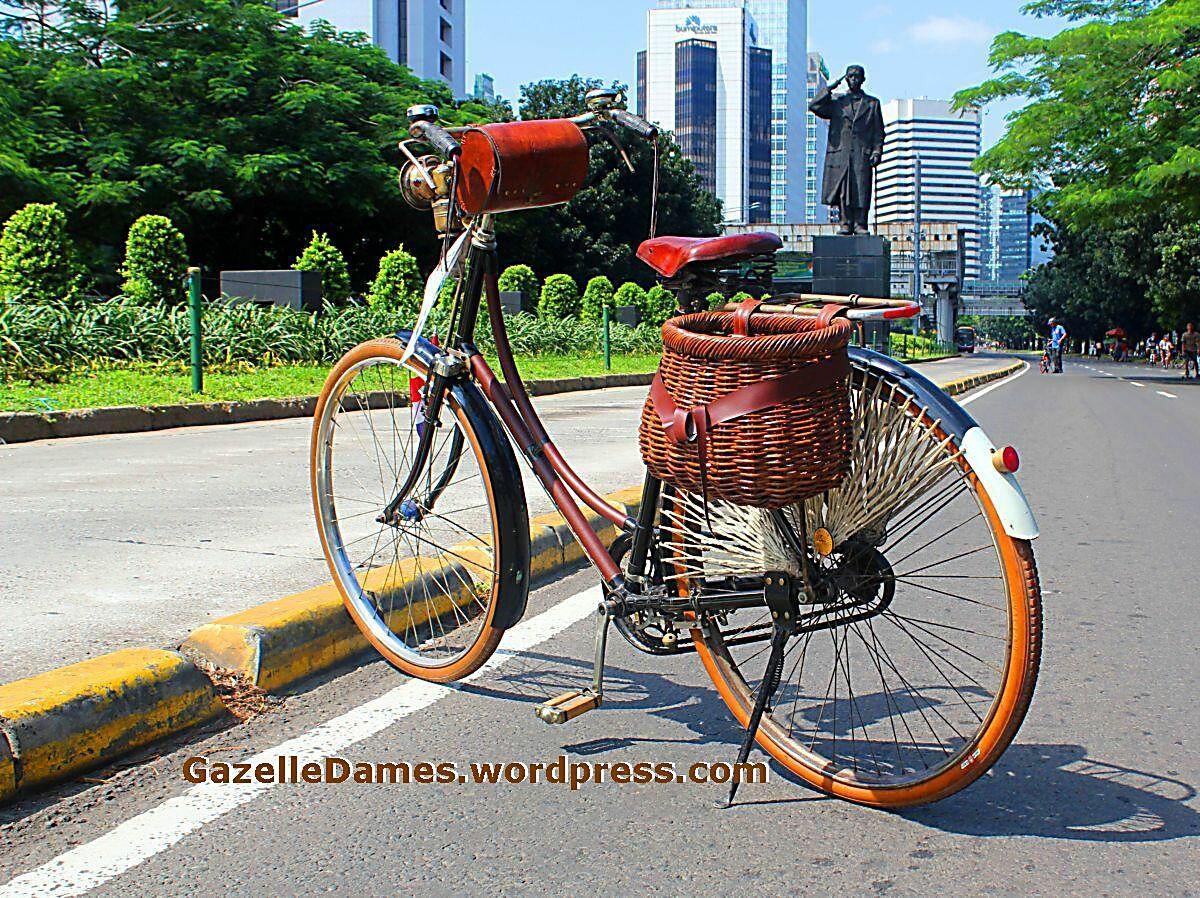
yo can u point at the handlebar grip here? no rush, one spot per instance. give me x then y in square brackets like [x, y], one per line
[634, 123]
[438, 137]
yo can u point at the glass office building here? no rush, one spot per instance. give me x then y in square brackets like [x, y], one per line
[696, 106]
[704, 77]
[816, 142]
[781, 27]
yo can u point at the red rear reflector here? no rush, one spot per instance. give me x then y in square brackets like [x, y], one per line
[1006, 460]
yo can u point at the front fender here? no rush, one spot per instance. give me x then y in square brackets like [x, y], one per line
[1005, 492]
[508, 492]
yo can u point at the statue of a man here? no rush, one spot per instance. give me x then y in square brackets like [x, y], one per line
[855, 148]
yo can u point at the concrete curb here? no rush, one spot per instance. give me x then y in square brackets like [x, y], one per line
[24, 427]
[65, 721]
[68, 720]
[966, 384]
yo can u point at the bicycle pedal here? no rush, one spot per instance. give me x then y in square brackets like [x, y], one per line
[568, 706]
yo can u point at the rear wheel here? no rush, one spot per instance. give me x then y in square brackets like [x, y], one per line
[424, 588]
[917, 662]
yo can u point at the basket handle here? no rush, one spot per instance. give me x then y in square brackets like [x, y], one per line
[832, 310]
[741, 316]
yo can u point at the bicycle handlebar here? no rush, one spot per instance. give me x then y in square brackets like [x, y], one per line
[634, 123]
[437, 137]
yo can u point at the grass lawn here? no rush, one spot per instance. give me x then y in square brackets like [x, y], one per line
[159, 385]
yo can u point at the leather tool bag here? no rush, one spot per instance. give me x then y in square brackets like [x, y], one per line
[521, 165]
[752, 409]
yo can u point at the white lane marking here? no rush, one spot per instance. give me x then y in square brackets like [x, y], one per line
[995, 386]
[154, 831]
[1136, 384]
[1165, 393]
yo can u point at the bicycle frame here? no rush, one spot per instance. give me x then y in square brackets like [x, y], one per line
[510, 398]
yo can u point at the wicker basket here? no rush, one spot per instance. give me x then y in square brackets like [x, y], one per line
[753, 449]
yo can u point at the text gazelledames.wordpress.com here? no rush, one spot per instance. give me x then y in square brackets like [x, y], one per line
[288, 769]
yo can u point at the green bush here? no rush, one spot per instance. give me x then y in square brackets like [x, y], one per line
[37, 261]
[658, 305]
[155, 262]
[560, 297]
[630, 294]
[596, 295]
[321, 255]
[397, 286]
[715, 300]
[520, 279]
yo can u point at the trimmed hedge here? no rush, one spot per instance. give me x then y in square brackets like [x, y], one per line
[37, 260]
[321, 255]
[560, 297]
[596, 295]
[397, 286]
[155, 262]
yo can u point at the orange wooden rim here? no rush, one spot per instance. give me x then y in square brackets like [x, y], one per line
[1005, 717]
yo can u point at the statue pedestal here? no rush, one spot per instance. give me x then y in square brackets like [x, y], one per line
[860, 264]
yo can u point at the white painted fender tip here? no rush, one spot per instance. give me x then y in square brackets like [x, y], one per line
[1011, 505]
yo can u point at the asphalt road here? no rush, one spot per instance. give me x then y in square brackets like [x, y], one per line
[137, 539]
[1097, 796]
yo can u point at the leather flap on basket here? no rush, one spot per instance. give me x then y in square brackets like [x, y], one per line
[755, 397]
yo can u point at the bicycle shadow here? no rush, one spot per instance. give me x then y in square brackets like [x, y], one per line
[540, 676]
[1057, 791]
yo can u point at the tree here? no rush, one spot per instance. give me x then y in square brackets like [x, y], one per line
[321, 255]
[658, 304]
[1113, 122]
[596, 295]
[37, 264]
[1112, 131]
[560, 298]
[246, 131]
[1175, 291]
[155, 262]
[398, 284]
[601, 228]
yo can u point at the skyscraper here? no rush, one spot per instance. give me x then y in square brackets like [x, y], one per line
[706, 80]
[947, 143]
[782, 27]
[816, 142]
[428, 36]
[1018, 248]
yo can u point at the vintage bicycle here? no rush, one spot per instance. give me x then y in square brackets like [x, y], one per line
[879, 638]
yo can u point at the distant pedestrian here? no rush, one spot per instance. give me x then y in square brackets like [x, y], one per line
[1189, 346]
[1058, 339]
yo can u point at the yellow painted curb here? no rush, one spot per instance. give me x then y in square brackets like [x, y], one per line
[965, 384]
[8, 771]
[279, 643]
[77, 717]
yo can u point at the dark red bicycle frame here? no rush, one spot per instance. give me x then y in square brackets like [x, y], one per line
[511, 400]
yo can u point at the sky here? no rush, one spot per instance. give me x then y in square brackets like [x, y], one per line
[930, 48]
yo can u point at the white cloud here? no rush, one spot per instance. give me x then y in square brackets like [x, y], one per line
[950, 31]
[883, 46]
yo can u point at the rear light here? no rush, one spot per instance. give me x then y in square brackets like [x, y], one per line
[1006, 460]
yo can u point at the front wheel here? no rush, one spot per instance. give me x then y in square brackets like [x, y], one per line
[918, 657]
[433, 587]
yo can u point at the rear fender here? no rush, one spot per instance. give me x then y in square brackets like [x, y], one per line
[1011, 505]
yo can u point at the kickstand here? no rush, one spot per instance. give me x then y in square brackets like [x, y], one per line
[783, 610]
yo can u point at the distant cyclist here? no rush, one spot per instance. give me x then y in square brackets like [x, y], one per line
[1058, 338]
[1189, 348]
[1165, 350]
